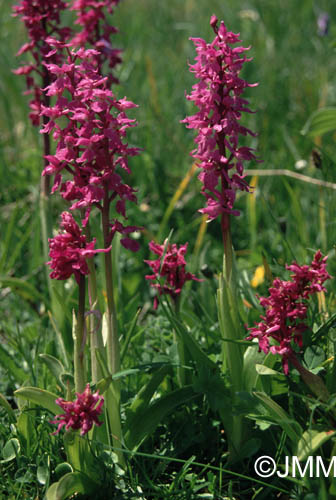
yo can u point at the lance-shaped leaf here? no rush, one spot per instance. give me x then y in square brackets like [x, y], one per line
[4, 403]
[40, 397]
[320, 122]
[54, 365]
[311, 441]
[71, 484]
[279, 416]
[155, 413]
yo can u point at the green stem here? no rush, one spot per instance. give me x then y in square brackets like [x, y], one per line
[45, 185]
[79, 340]
[113, 351]
[227, 242]
[232, 353]
[95, 336]
[112, 395]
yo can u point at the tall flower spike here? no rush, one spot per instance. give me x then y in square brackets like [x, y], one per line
[69, 251]
[91, 140]
[286, 308]
[81, 413]
[217, 95]
[171, 266]
[96, 31]
[42, 20]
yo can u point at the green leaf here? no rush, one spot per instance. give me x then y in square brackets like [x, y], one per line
[67, 380]
[143, 397]
[10, 450]
[71, 484]
[212, 385]
[129, 335]
[112, 405]
[4, 403]
[73, 444]
[279, 416]
[250, 448]
[26, 430]
[324, 329]
[51, 493]
[310, 441]
[321, 121]
[264, 370]
[314, 357]
[196, 352]
[43, 470]
[155, 413]
[228, 317]
[103, 384]
[40, 397]
[54, 365]
[62, 469]
[79, 454]
[252, 359]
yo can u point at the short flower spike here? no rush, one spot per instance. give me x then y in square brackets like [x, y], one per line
[69, 251]
[171, 266]
[81, 413]
[286, 308]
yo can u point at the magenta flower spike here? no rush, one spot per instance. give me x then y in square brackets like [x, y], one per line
[171, 266]
[42, 20]
[91, 146]
[81, 413]
[218, 98]
[96, 31]
[69, 251]
[286, 309]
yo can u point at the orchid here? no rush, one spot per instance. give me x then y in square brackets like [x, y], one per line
[81, 413]
[42, 20]
[69, 251]
[96, 31]
[91, 146]
[171, 266]
[217, 95]
[286, 309]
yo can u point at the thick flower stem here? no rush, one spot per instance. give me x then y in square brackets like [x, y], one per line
[45, 216]
[112, 342]
[227, 242]
[79, 339]
[113, 351]
[232, 352]
[96, 341]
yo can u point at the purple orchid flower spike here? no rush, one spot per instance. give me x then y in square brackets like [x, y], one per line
[286, 309]
[218, 97]
[170, 265]
[81, 413]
